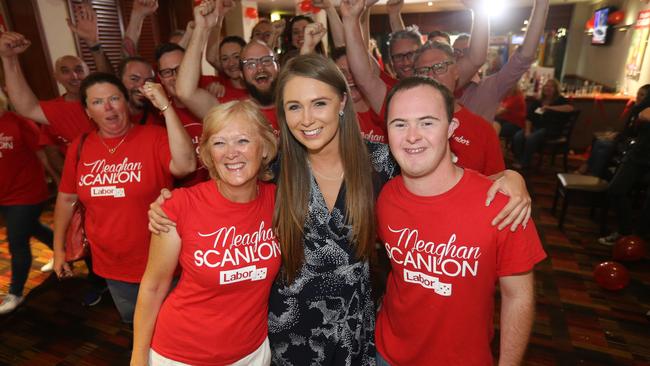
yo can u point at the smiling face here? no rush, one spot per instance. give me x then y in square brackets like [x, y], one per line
[419, 131]
[229, 55]
[69, 71]
[311, 108]
[108, 108]
[170, 61]
[298, 33]
[402, 51]
[136, 73]
[237, 152]
[259, 77]
[433, 56]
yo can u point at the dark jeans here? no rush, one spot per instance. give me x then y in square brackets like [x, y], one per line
[22, 223]
[508, 130]
[627, 177]
[524, 147]
[601, 154]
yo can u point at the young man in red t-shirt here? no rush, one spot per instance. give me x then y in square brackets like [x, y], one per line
[446, 257]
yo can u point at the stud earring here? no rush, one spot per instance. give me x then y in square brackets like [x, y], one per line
[341, 114]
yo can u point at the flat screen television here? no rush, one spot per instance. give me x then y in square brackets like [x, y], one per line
[601, 30]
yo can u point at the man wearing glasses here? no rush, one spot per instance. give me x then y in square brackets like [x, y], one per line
[474, 143]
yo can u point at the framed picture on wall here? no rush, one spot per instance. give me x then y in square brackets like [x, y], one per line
[638, 46]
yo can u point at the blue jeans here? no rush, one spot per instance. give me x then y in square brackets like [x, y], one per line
[525, 147]
[601, 154]
[22, 223]
[380, 360]
[125, 295]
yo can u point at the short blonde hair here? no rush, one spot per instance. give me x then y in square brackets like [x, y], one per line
[247, 110]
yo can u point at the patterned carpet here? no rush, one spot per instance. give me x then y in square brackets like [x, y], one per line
[577, 322]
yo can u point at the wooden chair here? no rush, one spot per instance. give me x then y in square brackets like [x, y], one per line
[570, 185]
[562, 141]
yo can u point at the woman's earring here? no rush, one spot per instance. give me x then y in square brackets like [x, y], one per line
[341, 114]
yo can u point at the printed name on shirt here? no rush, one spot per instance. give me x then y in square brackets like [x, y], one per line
[462, 140]
[450, 259]
[370, 136]
[239, 249]
[105, 174]
[6, 143]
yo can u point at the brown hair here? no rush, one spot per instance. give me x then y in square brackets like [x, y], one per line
[292, 200]
[246, 110]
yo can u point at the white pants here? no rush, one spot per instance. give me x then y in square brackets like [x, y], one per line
[260, 357]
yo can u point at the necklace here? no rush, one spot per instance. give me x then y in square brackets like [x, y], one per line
[325, 176]
[111, 150]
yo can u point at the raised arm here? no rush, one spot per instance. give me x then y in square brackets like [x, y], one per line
[517, 312]
[365, 23]
[333, 20]
[163, 258]
[278, 31]
[141, 9]
[535, 28]
[394, 8]
[371, 85]
[314, 32]
[86, 28]
[189, 29]
[180, 144]
[199, 101]
[479, 39]
[214, 39]
[20, 93]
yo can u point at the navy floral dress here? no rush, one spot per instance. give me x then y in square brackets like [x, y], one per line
[327, 315]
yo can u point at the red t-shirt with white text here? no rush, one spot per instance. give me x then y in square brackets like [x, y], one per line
[68, 120]
[194, 127]
[22, 178]
[446, 258]
[372, 126]
[217, 314]
[476, 144]
[116, 190]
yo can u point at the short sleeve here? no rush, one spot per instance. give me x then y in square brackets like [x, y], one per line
[163, 152]
[175, 207]
[494, 162]
[518, 251]
[69, 174]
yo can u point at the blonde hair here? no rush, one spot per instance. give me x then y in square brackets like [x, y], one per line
[246, 110]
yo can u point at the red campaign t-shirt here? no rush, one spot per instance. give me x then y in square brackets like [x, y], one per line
[231, 93]
[117, 190]
[194, 127]
[476, 144]
[372, 126]
[218, 312]
[446, 258]
[273, 119]
[22, 178]
[68, 120]
[515, 110]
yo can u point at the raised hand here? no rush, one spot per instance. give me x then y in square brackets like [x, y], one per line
[216, 89]
[395, 6]
[314, 32]
[278, 26]
[370, 3]
[156, 94]
[85, 25]
[145, 7]
[206, 14]
[13, 44]
[224, 6]
[352, 8]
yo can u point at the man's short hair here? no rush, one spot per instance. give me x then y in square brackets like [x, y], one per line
[415, 81]
[167, 47]
[233, 39]
[127, 60]
[338, 52]
[434, 45]
[439, 33]
[411, 32]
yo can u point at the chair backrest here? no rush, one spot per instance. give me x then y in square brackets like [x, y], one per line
[560, 124]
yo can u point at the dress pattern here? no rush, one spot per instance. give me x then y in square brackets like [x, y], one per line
[327, 315]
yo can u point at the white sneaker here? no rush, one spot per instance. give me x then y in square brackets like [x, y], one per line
[48, 267]
[610, 239]
[10, 303]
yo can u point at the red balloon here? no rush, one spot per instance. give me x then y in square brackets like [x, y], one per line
[590, 23]
[251, 13]
[305, 6]
[616, 17]
[611, 276]
[629, 248]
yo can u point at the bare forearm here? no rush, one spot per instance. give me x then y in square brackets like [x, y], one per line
[62, 214]
[517, 314]
[335, 27]
[477, 49]
[180, 145]
[20, 93]
[535, 28]
[365, 28]
[132, 34]
[102, 62]
[150, 298]
[189, 72]
[396, 21]
[214, 39]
